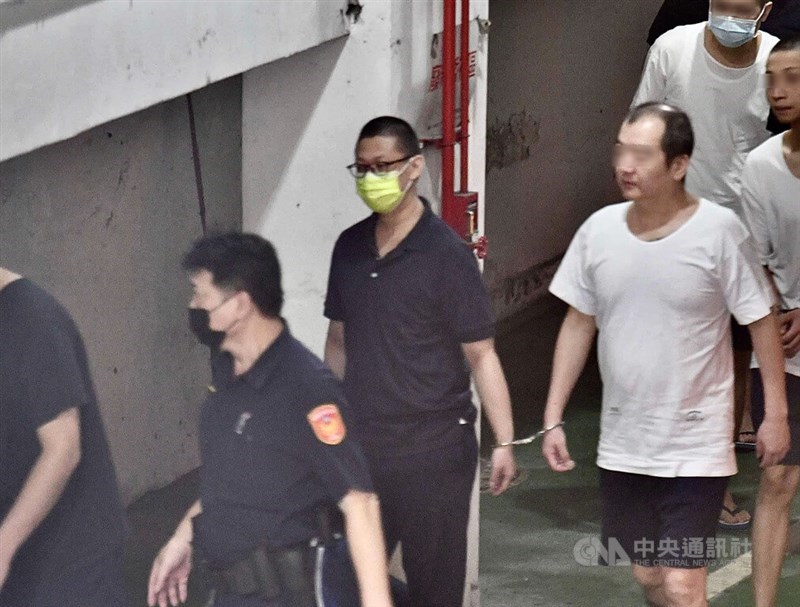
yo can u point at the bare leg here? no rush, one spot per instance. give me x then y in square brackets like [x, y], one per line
[670, 587]
[741, 392]
[651, 579]
[741, 400]
[776, 491]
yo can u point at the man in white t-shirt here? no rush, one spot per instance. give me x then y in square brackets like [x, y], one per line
[714, 71]
[659, 278]
[771, 202]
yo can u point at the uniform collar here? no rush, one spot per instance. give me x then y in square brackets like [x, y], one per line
[265, 365]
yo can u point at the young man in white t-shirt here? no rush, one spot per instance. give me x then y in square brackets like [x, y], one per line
[659, 278]
[771, 201]
[714, 72]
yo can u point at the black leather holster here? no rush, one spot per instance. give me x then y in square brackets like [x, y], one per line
[286, 574]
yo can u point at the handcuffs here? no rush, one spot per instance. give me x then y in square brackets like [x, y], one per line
[529, 439]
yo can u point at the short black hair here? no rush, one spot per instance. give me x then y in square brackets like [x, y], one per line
[240, 262]
[405, 138]
[678, 137]
[792, 43]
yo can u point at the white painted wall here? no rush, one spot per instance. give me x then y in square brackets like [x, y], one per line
[301, 117]
[561, 77]
[71, 65]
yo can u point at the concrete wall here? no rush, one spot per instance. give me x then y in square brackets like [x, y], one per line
[71, 65]
[561, 77]
[301, 117]
[101, 220]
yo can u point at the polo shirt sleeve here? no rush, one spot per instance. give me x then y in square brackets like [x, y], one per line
[465, 302]
[334, 455]
[573, 282]
[55, 381]
[334, 309]
[742, 279]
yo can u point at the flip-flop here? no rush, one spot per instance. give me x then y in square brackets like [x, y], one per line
[746, 445]
[733, 526]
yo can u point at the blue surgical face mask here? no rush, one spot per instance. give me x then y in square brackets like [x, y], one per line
[733, 32]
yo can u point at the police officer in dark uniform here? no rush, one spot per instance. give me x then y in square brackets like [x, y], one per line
[275, 449]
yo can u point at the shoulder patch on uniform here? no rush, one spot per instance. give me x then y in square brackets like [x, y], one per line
[327, 423]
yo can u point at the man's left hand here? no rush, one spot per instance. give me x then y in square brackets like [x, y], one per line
[504, 469]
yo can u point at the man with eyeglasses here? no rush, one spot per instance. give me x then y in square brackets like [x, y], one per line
[715, 72]
[656, 278]
[409, 319]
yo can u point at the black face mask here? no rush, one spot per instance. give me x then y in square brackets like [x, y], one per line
[199, 325]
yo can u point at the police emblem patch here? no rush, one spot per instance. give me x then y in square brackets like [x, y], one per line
[327, 423]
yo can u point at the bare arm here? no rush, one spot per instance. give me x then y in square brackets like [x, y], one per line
[334, 348]
[60, 441]
[169, 576]
[362, 518]
[496, 403]
[572, 348]
[772, 441]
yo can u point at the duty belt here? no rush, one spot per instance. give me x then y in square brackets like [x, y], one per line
[286, 573]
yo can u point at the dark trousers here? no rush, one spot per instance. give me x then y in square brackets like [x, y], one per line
[425, 507]
[98, 582]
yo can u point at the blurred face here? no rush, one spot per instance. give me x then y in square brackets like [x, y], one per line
[783, 85]
[640, 165]
[741, 9]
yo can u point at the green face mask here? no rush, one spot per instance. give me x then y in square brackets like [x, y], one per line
[382, 193]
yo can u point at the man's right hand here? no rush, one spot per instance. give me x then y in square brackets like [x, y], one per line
[554, 448]
[169, 577]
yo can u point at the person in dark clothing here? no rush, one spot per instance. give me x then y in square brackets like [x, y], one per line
[276, 449]
[62, 524]
[409, 319]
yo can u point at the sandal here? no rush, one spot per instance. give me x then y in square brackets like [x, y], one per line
[733, 526]
[746, 442]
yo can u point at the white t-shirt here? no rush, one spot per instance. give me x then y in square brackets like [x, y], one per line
[727, 106]
[771, 203]
[663, 309]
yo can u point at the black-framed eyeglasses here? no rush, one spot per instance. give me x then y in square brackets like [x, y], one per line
[378, 168]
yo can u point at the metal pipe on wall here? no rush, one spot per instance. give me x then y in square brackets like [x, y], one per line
[449, 212]
[464, 82]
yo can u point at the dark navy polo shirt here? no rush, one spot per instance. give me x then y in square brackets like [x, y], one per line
[405, 317]
[264, 471]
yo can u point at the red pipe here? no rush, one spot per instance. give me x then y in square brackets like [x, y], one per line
[449, 212]
[464, 145]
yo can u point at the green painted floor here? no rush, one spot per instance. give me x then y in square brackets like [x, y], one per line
[528, 535]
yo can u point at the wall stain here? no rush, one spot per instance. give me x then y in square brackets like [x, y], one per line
[510, 141]
[526, 286]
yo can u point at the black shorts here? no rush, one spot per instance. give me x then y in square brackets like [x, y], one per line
[793, 396]
[661, 522]
[740, 335]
